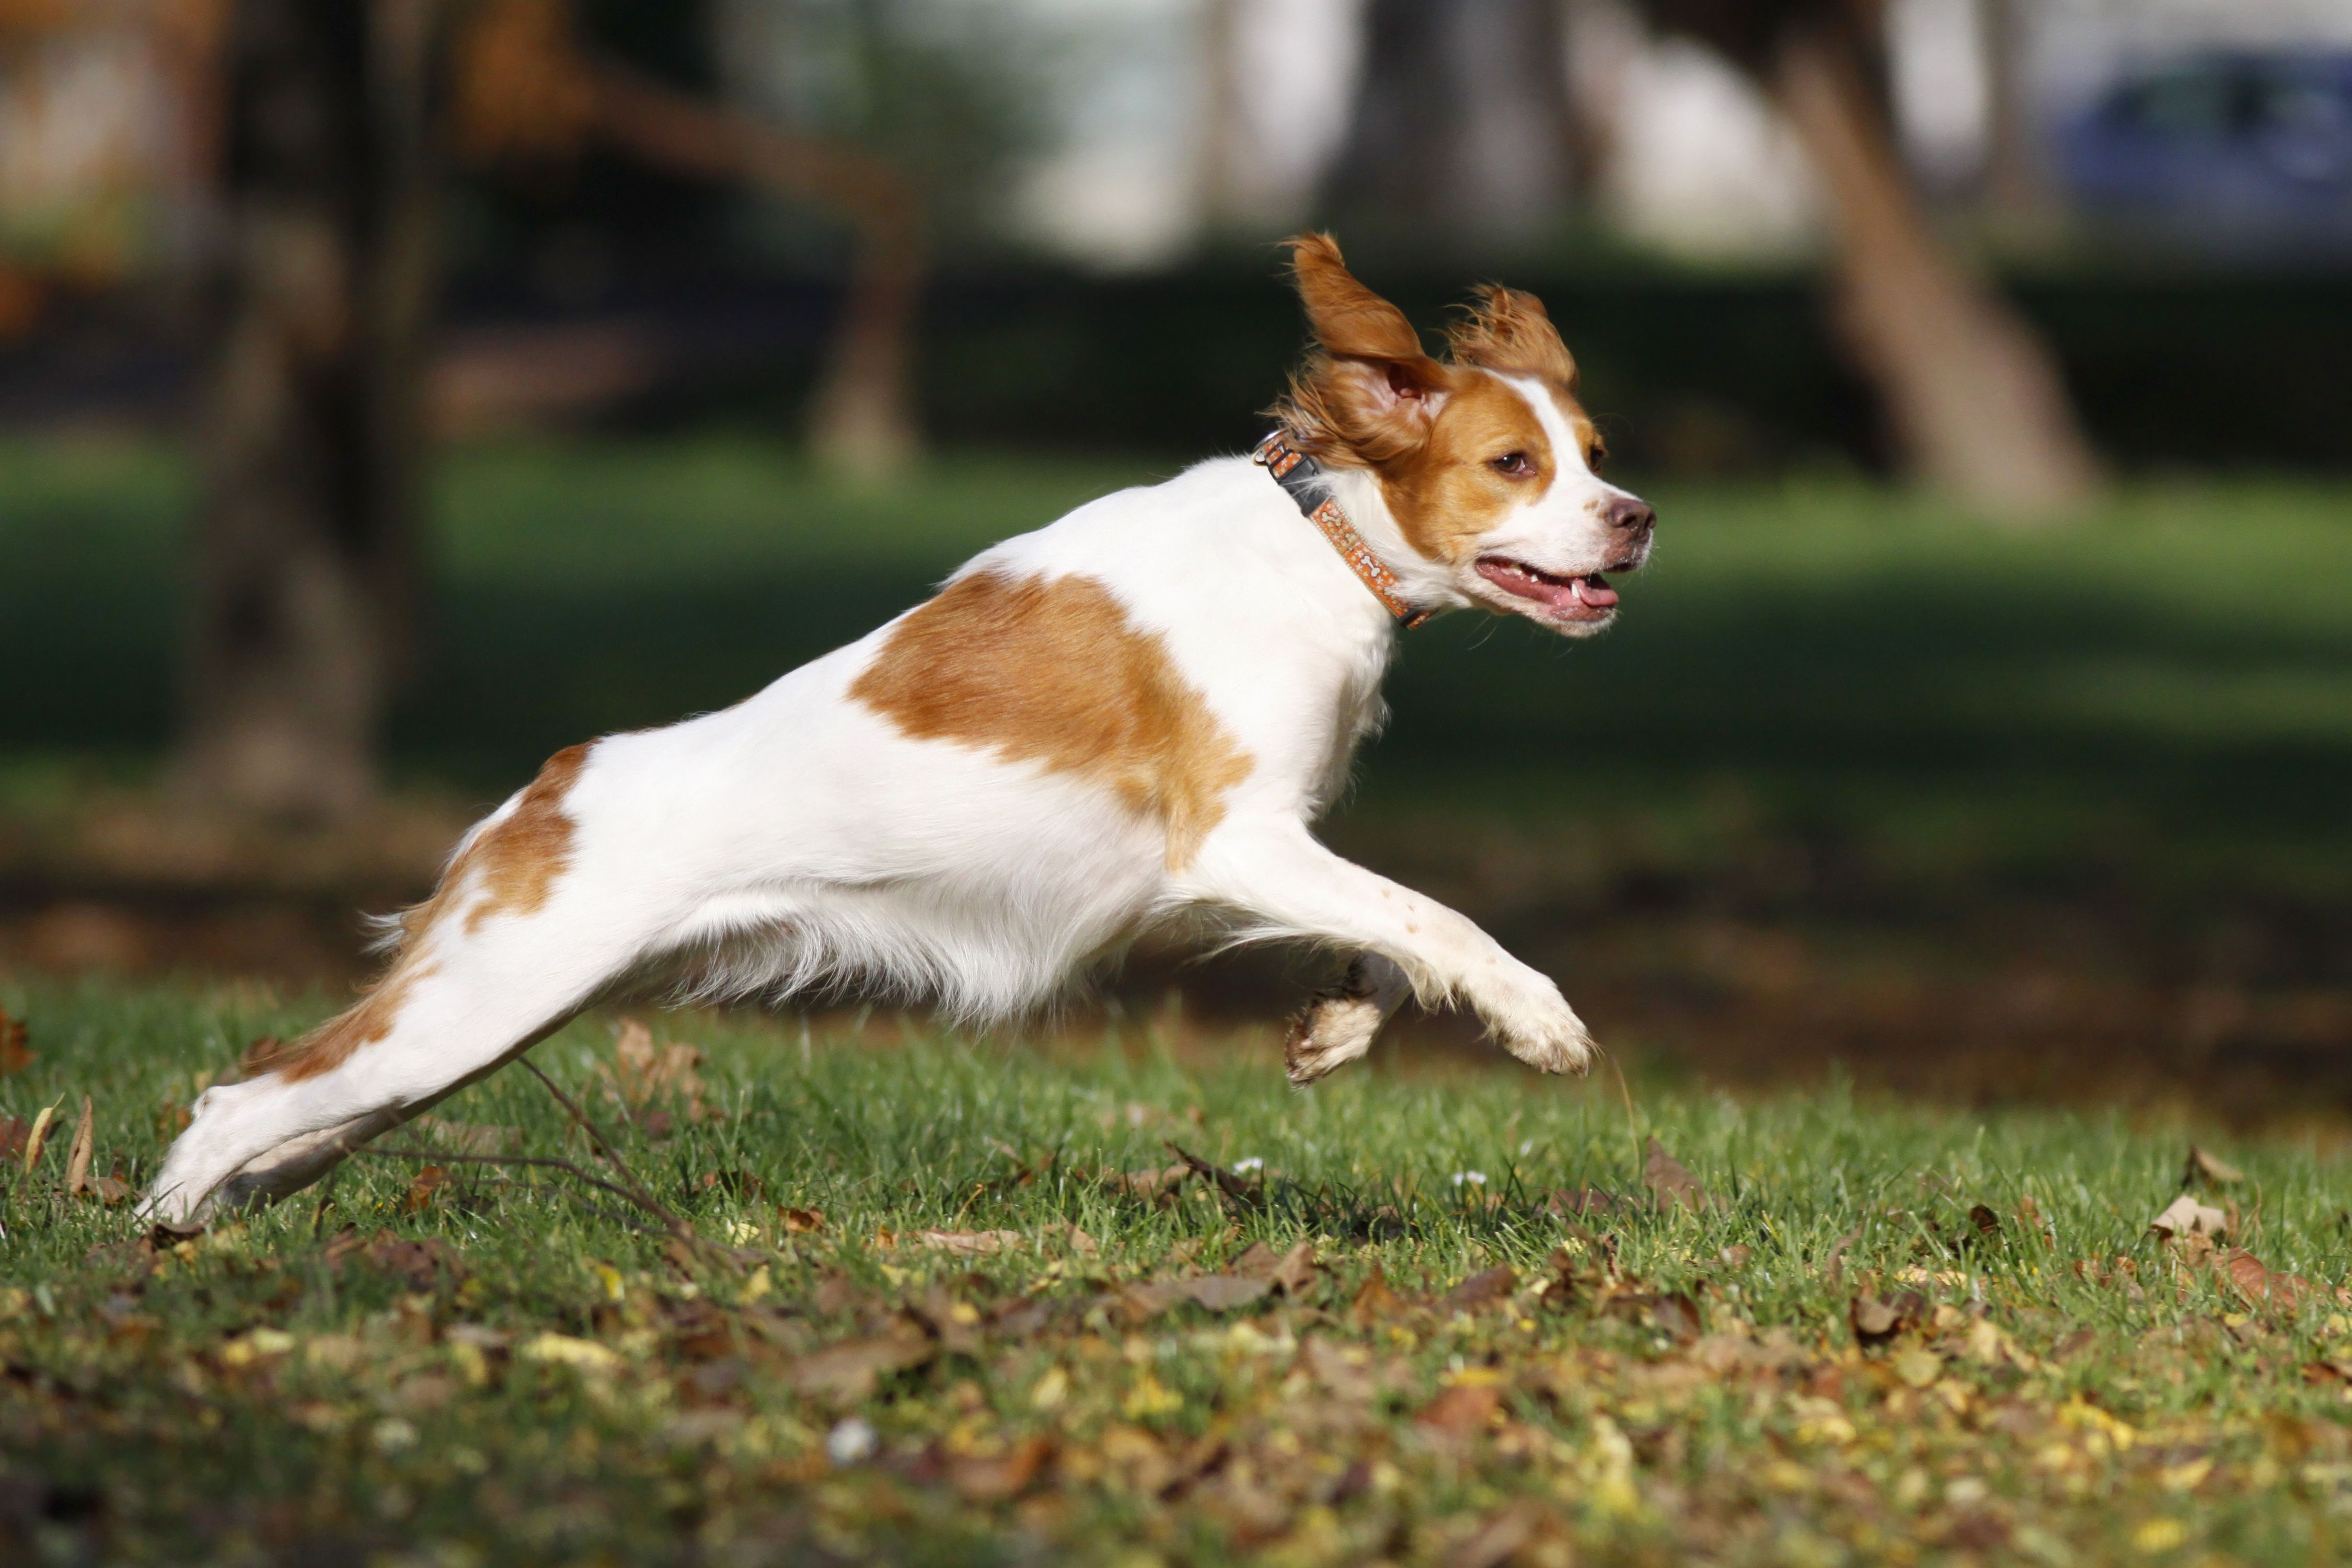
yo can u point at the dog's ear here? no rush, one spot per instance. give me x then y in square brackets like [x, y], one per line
[1371, 393]
[1511, 332]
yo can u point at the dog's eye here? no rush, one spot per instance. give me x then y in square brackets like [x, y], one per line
[1515, 464]
[1598, 456]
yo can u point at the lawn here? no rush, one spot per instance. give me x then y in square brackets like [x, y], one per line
[954, 1301]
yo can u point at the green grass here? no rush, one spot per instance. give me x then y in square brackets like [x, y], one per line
[278, 1391]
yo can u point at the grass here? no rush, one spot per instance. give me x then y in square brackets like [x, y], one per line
[540, 1377]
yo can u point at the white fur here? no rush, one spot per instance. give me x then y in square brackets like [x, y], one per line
[798, 841]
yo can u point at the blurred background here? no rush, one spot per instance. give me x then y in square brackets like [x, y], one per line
[394, 391]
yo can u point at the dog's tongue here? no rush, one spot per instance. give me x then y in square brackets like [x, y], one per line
[1594, 591]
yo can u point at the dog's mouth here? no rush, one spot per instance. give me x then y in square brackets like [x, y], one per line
[1586, 598]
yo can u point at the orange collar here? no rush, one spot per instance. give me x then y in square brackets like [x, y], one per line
[1299, 476]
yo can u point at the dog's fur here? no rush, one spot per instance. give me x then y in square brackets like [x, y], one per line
[1132, 714]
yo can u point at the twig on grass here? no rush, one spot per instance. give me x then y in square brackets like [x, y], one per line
[641, 1197]
[437, 1157]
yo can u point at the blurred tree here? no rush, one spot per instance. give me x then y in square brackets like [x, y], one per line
[529, 91]
[1973, 393]
[305, 540]
[1461, 131]
[2016, 184]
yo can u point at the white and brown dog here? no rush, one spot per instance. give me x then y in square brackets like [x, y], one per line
[1130, 715]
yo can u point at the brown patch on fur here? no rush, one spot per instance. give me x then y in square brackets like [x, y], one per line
[514, 862]
[1050, 670]
[329, 1045]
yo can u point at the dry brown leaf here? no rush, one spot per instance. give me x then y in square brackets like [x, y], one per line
[643, 1073]
[421, 1190]
[1082, 1243]
[1002, 1476]
[1211, 1292]
[2185, 1217]
[1675, 1314]
[1669, 1181]
[1463, 1410]
[1230, 1187]
[78, 1152]
[2205, 1170]
[2259, 1284]
[110, 1190]
[801, 1221]
[15, 1055]
[1483, 1289]
[13, 1132]
[1874, 1321]
[1374, 1301]
[964, 1243]
[849, 1372]
[1292, 1273]
[1987, 1223]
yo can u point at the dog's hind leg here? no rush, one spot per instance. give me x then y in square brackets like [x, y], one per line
[456, 1007]
[520, 936]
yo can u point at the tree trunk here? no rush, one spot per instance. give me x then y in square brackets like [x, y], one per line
[1974, 396]
[2016, 184]
[1461, 130]
[306, 543]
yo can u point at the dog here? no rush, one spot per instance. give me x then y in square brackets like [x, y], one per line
[1130, 717]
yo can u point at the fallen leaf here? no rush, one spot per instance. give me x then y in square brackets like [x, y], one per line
[1669, 1181]
[1213, 1292]
[644, 1072]
[78, 1154]
[13, 1132]
[2186, 1216]
[421, 1190]
[110, 1190]
[1374, 1301]
[1292, 1273]
[38, 1138]
[2204, 1169]
[1876, 1322]
[849, 1372]
[1834, 1270]
[1081, 1243]
[801, 1221]
[564, 1350]
[1002, 1476]
[741, 1184]
[14, 1056]
[2259, 1284]
[1463, 1410]
[1918, 1366]
[1987, 1223]
[1481, 1290]
[964, 1243]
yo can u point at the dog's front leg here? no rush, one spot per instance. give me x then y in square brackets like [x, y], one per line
[1284, 883]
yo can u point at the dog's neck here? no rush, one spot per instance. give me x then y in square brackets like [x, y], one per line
[1309, 485]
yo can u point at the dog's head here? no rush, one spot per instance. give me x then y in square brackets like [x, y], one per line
[1485, 460]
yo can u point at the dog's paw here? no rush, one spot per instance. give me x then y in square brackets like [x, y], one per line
[1333, 1031]
[1542, 1030]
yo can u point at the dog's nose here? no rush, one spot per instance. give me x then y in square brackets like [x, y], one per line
[1630, 514]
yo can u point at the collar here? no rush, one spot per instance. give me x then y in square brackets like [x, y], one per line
[1302, 477]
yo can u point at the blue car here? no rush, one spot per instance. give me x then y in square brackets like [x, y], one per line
[2245, 154]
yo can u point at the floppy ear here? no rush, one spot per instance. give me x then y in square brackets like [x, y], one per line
[1511, 332]
[1370, 393]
